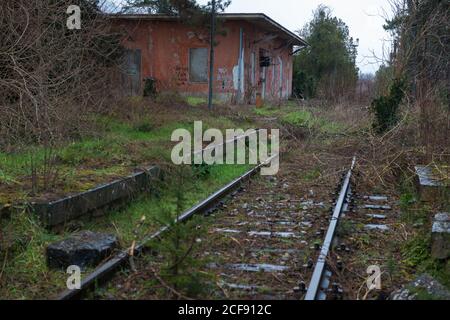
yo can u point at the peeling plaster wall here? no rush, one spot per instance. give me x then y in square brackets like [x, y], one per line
[238, 77]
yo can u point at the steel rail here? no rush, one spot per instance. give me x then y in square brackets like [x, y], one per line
[227, 142]
[314, 288]
[108, 269]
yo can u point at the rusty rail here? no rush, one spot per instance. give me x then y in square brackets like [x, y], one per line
[318, 283]
[110, 267]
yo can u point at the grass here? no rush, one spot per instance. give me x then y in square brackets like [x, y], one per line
[312, 175]
[26, 275]
[305, 119]
[118, 147]
[198, 101]
[416, 252]
[266, 111]
[290, 114]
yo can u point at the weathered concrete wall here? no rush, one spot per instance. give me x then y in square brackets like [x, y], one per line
[238, 77]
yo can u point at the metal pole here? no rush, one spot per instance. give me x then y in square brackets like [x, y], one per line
[211, 58]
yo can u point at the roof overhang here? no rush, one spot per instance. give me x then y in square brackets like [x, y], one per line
[259, 19]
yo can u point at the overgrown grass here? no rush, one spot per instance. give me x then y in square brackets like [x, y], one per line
[266, 111]
[305, 119]
[116, 149]
[291, 114]
[416, 252]
[26, 275]
[198, 101]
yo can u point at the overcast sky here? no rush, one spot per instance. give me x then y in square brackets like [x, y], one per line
[364, 18]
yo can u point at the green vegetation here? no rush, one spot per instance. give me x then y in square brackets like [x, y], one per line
[386, 108]
[327, 67]
[416, 252]
[304, 118]
[312, 175]
[196, 101]
[178, 248]
[25, 265]
[118, 147]
[423, 295]
[417, 256]
[122, 143]
[267, 111]
[200, 101]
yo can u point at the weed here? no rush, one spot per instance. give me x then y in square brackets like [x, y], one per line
[180, 268]
[201, 171]
[345, 227]
[266, 111]
[385, 108]
[422, 294]
[417, 250]
[299, 119]
[312, 175]
[144, 126]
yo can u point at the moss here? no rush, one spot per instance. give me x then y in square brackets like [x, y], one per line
[198, 101]
[299, 119]
[312, 174]
[422, 294]
[305, 119]
[26, 274]
[26, 269]
[266, 111]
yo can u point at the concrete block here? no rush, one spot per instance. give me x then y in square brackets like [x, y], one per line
[431, 186]
[82, 249]
[424, 287]
[441, 236]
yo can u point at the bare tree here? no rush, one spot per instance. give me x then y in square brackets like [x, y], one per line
[51, 77]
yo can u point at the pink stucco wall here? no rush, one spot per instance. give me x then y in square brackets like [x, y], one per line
[165, 48]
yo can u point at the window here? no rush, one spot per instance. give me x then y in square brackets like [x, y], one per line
[198, 65]
[264, 58]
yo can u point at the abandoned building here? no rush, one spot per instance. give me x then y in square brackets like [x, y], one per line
[253, 56]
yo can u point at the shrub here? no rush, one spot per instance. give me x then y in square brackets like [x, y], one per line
[144, 125]
[150, 87]
[385, 108]
[299, 119]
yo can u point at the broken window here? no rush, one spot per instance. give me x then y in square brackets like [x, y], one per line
[264, 58]
[132, 76]
[198, 65]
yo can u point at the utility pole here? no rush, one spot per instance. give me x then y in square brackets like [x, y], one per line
[211, 57]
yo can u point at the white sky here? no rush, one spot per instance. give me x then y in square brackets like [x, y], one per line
[364, 18]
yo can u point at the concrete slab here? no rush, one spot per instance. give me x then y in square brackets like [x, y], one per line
[83, 249]
[424, 284]
[376, 227]
[377, 216]
[257, 267]
[430, 184]
[440, 236]
[376, 207]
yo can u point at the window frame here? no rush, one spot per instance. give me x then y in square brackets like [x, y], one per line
[189, 66]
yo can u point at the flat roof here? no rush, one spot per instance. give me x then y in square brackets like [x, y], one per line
[259, 19]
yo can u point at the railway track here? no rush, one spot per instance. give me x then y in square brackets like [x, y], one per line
[101, 273]
[320, 281]
[272, 250]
